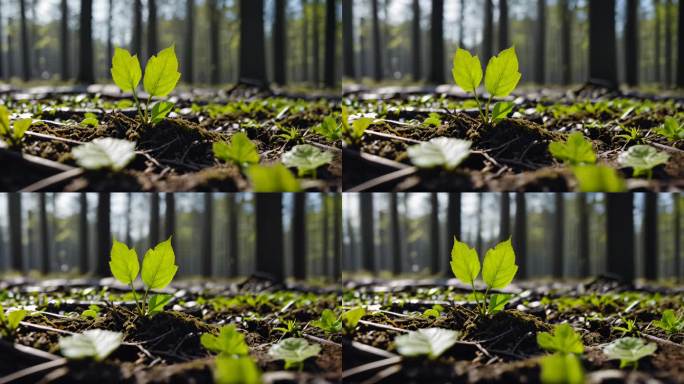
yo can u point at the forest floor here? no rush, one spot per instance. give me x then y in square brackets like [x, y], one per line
[502, 348]
[174, 155]
[513, 154]
[165, 348]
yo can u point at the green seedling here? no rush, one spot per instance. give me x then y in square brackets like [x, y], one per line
[564, 340]
[161, 78]
[95, 344]
[670, 322]
[230, 342]
[433, 120]
[498, 270]
[241, 151]
[90, 120]
[351, 318]
[598, 178]
[631, 135]
[577, 150]
[158, 269]
[290, 327]
[672, 129]
[501, 78]
[432, 342]
[329, 129]
[629, 350]
[629, 327]
[13, 134]
[642, 158]
[306, 158]
[92, 312]
[272, 178]
[290, 135]
[240, 370]
[353, 133]
[294, 351]
[329, 322]
[9, 322]
[564, 368]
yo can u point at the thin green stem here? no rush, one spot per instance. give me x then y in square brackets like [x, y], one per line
[137, 103]
[489, 103]
[145, 297]
[147, 109]
[485, 306]
[135, 297]
[479, 107]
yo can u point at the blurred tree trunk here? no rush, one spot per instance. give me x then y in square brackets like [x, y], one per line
[520, 234]
[566, 42]
[668, 43]
[129, 201]
[215, 16]
[189, 56]
[478, 214]
[64, 39]
[453, 225]
[44, 236]
[395, 238]
[337, 237]
[348, 41]
[2, 56]
[632, 43]
[279, 42]
[154, 219]
[252, 55]
[503, 25]
[434, 234]
[104, 236]
[677, 207]
[363, 48]
[505, 217]
[269, 234]
[25, 47]
[136, 37]
[583, 235]
[316, 42]
[326, 253]
[305, 40]
[367, 232]
[488, 32]
[86, 74]
[657, 54]
[330, 44]
[152, 39]
[461, 24]
[170, 218]
[620, 235]
[680, 46]
[299, 236]
[352, 246]
[30, 241]
[650, 230]
[416, 53]
[437, 42]
[10, 49]
[558, 234]
[540, 51]
[377, 49]
[83, 243]
[14, 228]
[602, 46]
[110, 46]
[233, 217]
[207, 238]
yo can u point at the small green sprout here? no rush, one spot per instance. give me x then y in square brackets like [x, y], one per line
[240, 370]
[642, 158]
[90, 120]
[241, 151]
[290, 134]
[577, 150]
[629, 327]
[672, 129]
[9, 322]
[598, 178]
[290, 327]
[563, 368]
[230, 342]
[353, 133]
[306, 158]
[12, 135]
[272, 178]
[631, 135]
[294, 351]
[432, 342]
[329, 322]
[629, 350]
[351, 318]
[92, 312]
[329, 129]
[670, 322]
[433, 120]
[564, 340]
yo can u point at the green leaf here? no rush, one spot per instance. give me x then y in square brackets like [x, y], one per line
[157, 303]
[160, 110]
[329, 322]
[629, 350]
[240, 151]
[671, 129]
[497, 302]
[465, 264]
[294, 351]
[351, 318]
[358, 127]
[229, 342]
[161, 73]
[236, 371]
[643, 158]
[561, 369]
[14, 318]
[433, 120]
[329, 129]
[126, 71]
[563, 340]
[20, 128]
[440, 151]
[306, 158]
[598, 178]
[499, 268]
[432, 342]
[430, 313]
[4, 122]
[576, 151]
[502, 74]
[158, 267]
[93, 343]
[123, 262]
[105, 152]
[273, 178]
[467, 70]
[669, 322]
[501, 110]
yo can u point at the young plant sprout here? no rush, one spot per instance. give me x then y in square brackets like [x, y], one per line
[13, 134]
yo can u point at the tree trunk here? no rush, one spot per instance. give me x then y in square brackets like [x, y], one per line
[505, 217]
[363, 48]
[503, 25]
[680, 47]
[540, 69]
[453, 226]
[326, 235]
[632, 43]
[279, 41]
[668, 43]
[558, 234]
[215, 18]
[583, 235]
[269, 235]
[154, 219]
[677, 208]
[25, 47]
[189, 56]
[2, 56]
[136, 37]
[461, 24]
[129, 201]
[377, 49]
[104, 237]
[44, 236]
[566, 42]
[14, 228]
[416, 53]
[434, 235]
[478, 242]
[657, 54]
[316, 42]
[367, 232]
[83, 238]
[520, 234]
[348, 41]
[110, 46]
[395, 238]
[330, 44]
[152, 39]
[650, 231]
[620, 235]
[437, 42]
[305, 40]
[488, 32]
[233, 245]
[602, 46]
[10, 49]
[86, 74]
[299, 236]
[337, 237]
[170, 218]
[64, 39]
[207, 238]
[252, 59]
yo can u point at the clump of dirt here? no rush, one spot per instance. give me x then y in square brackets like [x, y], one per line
[514, 139]
[512, 330]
